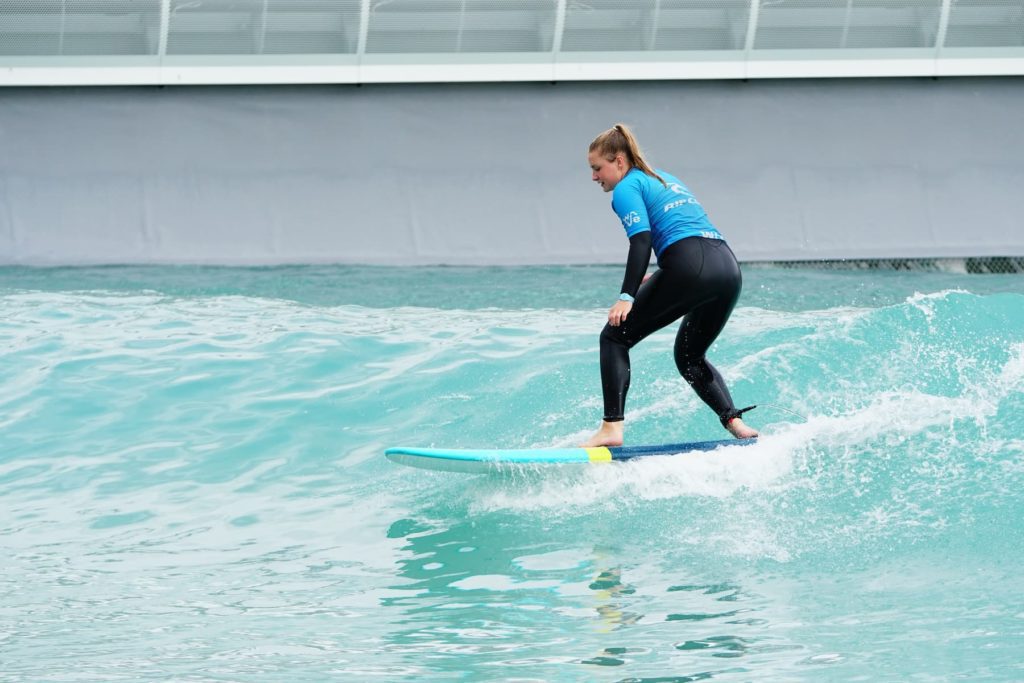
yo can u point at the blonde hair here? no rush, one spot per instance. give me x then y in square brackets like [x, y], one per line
[619, 139]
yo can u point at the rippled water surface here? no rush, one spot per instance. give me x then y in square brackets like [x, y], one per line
[192, 485]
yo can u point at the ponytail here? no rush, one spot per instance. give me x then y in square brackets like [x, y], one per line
[619, 139]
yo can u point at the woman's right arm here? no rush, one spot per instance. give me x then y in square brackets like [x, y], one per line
[636, 262]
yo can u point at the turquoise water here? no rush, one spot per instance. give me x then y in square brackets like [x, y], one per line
[192, 485]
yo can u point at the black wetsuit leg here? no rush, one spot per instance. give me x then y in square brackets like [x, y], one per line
[699, 281]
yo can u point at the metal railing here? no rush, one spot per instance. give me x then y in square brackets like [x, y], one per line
[177, 41]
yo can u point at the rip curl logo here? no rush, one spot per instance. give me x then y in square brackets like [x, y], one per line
[680, 202]
[687, 198]
[630, 219]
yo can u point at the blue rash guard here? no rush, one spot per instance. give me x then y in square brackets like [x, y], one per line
[671, 213]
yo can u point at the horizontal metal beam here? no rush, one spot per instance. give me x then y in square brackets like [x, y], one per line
[563, 70]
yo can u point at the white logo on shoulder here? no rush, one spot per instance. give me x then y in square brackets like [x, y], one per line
[630, 219]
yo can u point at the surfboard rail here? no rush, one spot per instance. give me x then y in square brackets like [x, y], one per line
[491, 459]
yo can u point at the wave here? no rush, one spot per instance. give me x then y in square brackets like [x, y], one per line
[912, 409]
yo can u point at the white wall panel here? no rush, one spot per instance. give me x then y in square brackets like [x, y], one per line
[497, 173]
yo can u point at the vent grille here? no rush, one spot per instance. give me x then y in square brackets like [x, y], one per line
[848, 24]
[457, 26]
[639, 25]
[986, 23]
[79, 27]
[259, 27]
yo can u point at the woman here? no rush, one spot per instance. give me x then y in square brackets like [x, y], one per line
[698, 280]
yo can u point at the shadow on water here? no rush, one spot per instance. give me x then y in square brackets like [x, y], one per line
[488, 596]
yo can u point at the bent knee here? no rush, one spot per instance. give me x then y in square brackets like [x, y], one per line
[692, 368]
[616, 336]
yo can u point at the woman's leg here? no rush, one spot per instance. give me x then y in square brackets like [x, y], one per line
[615, 371]
[660, 301]
[696, 333]
[700, 328]
[657, 305]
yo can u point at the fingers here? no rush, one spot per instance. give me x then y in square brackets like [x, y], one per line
[618, 313]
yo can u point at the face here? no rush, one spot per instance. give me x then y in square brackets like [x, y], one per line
[607, 173]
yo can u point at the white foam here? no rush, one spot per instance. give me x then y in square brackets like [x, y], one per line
[715, 474]
[1011, 376]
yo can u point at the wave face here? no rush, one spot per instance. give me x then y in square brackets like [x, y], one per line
[193, 486]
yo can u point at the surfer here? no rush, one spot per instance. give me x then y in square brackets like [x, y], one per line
[698, 280]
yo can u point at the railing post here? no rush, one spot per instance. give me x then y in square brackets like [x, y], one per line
[752, 17]
[940, 36]
[364, 27]
[556, 43]
[63, 26]
[165, 27]
[846, 23]
[262, 39]
[462, 27]
[655, 21]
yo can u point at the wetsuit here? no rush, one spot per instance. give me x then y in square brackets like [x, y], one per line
[698, 280]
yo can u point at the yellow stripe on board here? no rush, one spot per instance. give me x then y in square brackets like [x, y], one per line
[599, 454]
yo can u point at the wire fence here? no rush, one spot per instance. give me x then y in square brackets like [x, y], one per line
[987, 265]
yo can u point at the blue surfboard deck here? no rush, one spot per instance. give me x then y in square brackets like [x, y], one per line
[496, 459]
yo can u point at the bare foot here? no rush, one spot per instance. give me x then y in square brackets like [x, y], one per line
[738, 429]
[610, 434]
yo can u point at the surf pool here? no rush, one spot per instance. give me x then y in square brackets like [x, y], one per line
[193, 487]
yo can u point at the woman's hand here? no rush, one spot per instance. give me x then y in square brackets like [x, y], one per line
[618, 313]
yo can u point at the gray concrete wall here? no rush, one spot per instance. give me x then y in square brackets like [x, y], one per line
[497, 173]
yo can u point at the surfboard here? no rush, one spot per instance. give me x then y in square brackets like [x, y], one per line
[496, 459]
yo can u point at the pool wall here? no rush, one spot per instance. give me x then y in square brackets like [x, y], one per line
[496, 174]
